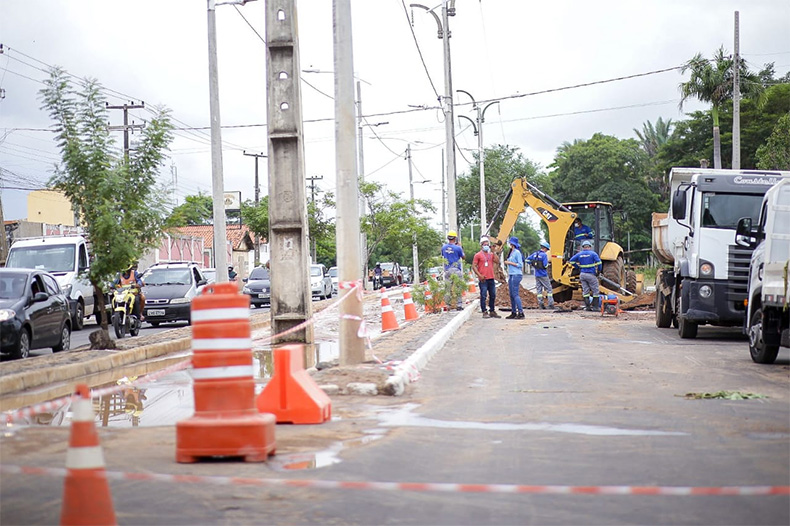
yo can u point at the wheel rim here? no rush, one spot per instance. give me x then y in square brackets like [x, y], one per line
[24, 344]
[65, 338]
[80, 315]
[756, 332]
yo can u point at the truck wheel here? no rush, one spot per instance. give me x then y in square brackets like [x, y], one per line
[663, 312]
[686, 329]
[613, 270]
[630, 281]
[79, 316]
[760, 351]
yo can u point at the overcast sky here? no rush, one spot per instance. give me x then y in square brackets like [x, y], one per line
[156, 51]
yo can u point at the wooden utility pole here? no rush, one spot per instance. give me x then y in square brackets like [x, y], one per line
[736, 99]
[126, 128]
[291, 303]
[257, 200]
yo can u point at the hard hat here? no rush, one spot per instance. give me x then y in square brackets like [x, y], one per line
[484, 239]
[452, 234]
[586, 243]
[545, 245]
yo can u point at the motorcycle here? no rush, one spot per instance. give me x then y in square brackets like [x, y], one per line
[123, 318]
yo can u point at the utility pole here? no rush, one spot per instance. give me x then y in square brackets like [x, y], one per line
[257, 200]
[736, 99]
[363, 238]
[478, 130]
[444, 200]
[352, 348]
[312, 202]
[415, 269]
[448, 10]
[291, 303]
[126, 128]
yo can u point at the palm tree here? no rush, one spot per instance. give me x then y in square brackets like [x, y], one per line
[711, 81]
[654, 137]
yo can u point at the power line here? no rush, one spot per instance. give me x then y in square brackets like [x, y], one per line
[419, 51]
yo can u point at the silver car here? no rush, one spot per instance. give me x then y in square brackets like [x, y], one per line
[320, 282]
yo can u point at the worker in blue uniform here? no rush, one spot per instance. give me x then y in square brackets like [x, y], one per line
[589, 265]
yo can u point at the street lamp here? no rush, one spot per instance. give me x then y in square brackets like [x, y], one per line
[478, 130]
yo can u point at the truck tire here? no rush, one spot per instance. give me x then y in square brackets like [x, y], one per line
[687, 329]
[760, 351]
[630, 281]
[663, 311]
[613, 271]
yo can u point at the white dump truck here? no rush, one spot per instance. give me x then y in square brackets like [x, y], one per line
[767, 312]
[707, 280]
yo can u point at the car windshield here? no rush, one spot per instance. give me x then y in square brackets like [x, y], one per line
[316, 271]
[167, 276]
[259, 274]
[386, 266]
[12, 285]
[52, 258]
[333, 272]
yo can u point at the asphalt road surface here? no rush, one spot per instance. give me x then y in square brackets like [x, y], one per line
[554, 399]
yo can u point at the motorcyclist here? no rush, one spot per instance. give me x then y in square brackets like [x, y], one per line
[377, 272]
[232, 273]
[130, 276]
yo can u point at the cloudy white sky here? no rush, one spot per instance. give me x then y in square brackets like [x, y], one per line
[156, 51]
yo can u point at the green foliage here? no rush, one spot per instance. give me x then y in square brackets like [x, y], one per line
[652, 137]
[605, 168]
[195, 210]
[775, 153]
[117, 198]
[256, 217]
[443, 291]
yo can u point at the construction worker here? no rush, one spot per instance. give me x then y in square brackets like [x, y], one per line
[589, 265]
[581, 231]
[483, 266]
[540, 260]
[453, 254]
[515, 273]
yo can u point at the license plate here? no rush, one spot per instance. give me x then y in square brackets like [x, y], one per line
[263, 296]
[156, 312]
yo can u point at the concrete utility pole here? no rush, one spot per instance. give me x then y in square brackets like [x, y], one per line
[448, 10]
[126, 128]
[444, 199]
[257, 200]
[352, 348]
[363, 238]
[291, 303]
[478, 129]
[736, 99]
[415, 269]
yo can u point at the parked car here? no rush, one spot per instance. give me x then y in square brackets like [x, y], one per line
[258, 287]
[210, 275]
[169, 290]
[333, 273]
[320, 282]
[391, 274]
[34, 313]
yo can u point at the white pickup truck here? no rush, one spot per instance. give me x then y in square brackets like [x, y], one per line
[66, 258]
[767, 316]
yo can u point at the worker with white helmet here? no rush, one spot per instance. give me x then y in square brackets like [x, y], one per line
[540, 260]
[589, 265]
[453, 254]
[483, 266]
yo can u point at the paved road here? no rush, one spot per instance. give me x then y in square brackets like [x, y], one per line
[554, 399]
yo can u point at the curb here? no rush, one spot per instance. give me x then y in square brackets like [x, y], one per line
[409, 370]
[62, 373]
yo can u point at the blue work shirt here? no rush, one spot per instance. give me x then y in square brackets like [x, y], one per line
[582, 232]
[517, 258]
[587, 261]
[453, 254]
[539, 260]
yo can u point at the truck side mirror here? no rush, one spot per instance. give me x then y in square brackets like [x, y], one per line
[743, 233]
[679, 204]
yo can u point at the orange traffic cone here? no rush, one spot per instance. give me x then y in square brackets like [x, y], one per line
[292, 395]
[388, 321]
[226, 422]
[429, 307]
[472, 288]
[408, 305]
[86, 493]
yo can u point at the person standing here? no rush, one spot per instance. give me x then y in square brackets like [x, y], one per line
[540, 260]
[453, 253]
[515, 272]
[589, 265]
[483, 266]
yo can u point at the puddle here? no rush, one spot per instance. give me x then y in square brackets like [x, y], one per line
[403, 417]
[323, 458]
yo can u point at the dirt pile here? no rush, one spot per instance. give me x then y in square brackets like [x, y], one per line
[642, 302]
[528, 299]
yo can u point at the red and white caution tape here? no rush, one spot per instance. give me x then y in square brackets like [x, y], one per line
[675, 491]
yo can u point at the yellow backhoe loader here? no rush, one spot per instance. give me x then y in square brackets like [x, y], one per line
[559, 218]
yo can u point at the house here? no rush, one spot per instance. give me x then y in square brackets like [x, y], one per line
[240, 248]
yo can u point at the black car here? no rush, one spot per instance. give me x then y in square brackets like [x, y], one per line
[169, 289]
[34, 313]
[258, 287]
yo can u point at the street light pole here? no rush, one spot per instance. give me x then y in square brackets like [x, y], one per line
[415, 268]
[257, 200]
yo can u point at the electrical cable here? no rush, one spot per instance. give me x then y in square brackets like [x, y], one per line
[419, 51]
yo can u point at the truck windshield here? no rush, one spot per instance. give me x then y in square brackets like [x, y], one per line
[52, 258]
[724, 210]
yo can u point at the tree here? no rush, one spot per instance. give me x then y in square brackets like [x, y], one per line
[775, 153]
[711, 81]
[116, 196]
[653, 138]
[503, 164]
[196, 210]
[605, 168]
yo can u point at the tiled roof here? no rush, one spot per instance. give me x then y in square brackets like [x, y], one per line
[235, 234]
